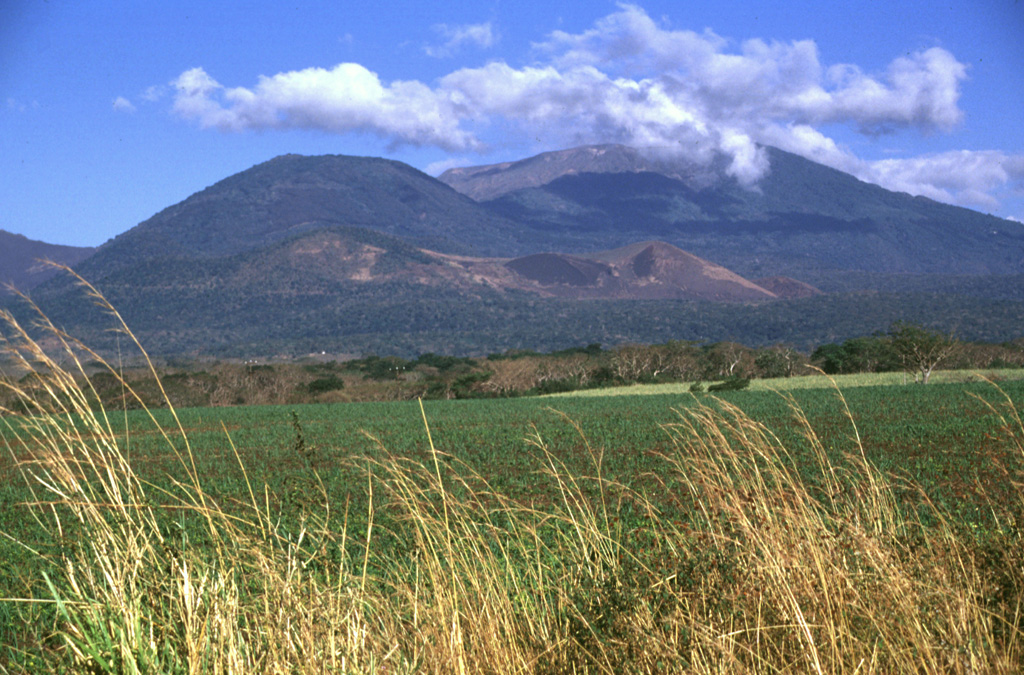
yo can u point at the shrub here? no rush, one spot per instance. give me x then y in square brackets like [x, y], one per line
[557, 386]
[731, 384]
[324, 384]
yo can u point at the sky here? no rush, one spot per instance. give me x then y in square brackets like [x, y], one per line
[111, 111]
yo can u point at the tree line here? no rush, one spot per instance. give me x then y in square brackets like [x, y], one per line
[906, 347]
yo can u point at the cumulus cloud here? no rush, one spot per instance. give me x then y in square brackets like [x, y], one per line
[965, 177]
[479, 34]
[920, 90]
[154, 93]
[583, 104]
[961, 177]
[121, 104]
[767, 80]
[347, 98]
[439, 167]
[632, 80]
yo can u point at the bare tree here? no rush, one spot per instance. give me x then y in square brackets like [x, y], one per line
[511, 375]
[577, 367]
[726, 359]
[632, 361]
[778, 361]
[681, 359]
[919, 348]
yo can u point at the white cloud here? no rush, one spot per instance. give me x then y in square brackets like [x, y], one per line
[439, 167]
[633, 42]
[767, 81]
[582, 104]
[630, 80]
[121, 104]
[961, 177]
[920, 90]
[347, 98]
[806, 141]
[193, 100]
[154, 93]
[479, 34]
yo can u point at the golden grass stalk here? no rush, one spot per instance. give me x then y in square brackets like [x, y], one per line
[839, 578]
[769, 568]
[131, 594]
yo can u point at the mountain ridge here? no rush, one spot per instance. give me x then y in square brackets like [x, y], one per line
[300, 252]
[487, 182]
[21, 260]
[804, 220]
[290, 194]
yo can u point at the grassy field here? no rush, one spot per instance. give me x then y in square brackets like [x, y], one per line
[875, 531]
[844, 382]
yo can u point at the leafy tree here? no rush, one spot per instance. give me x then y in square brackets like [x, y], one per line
[442, 362]
[725, 359]
[777, 361]
[731, 383]
[874, 354]
[919, 348]
[377, 368]
[832, 358]
[325, 384]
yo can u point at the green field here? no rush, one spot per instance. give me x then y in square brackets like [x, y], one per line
[931, 434]
[940, 436]
[843, 382]
[577, 526]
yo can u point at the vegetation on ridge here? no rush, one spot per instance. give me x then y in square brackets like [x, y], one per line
[236, 270]
[805, 221]
[224, 313]
[327, 378]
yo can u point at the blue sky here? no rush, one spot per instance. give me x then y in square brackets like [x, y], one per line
[111, 111]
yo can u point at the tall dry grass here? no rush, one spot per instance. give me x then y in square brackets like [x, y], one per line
[770, 569]
[832, 575]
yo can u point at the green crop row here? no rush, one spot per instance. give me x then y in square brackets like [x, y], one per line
[579, 525]
[941, 436]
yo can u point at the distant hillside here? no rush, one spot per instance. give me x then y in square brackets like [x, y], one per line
[488, 182]
[354, 291]
[292, 194]
[785, 287]
[348, 254]
[21, 260]
[803, 220]
[353, 274]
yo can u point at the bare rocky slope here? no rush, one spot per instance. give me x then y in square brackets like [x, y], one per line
[647, 270]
